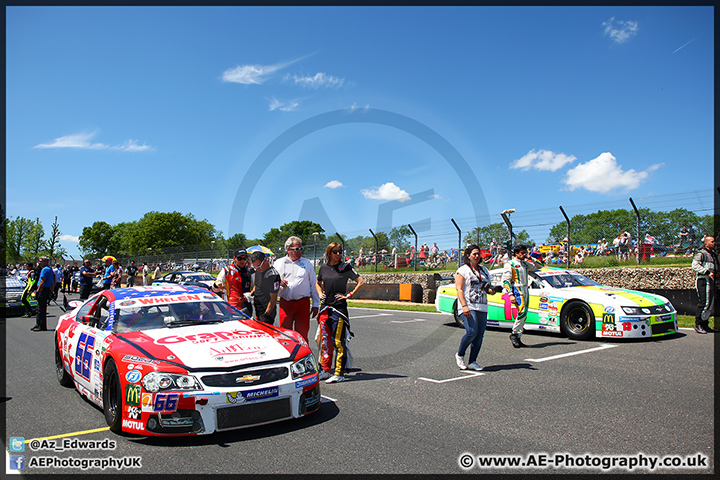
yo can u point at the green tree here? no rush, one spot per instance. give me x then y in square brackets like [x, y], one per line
[16, 234]
[483, 236]
[35, 245]
[96, 239]
[400, 237]
[303, 229]
[158, 230]
[239, 240]
[54, 249]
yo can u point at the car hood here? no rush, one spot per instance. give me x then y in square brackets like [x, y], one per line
[602, 294]
[228, 344]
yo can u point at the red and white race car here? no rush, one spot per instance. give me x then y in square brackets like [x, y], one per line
[179, 360]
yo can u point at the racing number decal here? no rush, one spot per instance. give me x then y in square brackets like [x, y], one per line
[165, 402]
[83, 355]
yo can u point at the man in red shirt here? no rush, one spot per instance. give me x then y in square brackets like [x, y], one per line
[235, 281]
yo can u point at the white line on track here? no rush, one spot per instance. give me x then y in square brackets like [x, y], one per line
[324, 399]
[376, 315]
[469, 375]
[554, 357]
[408, 321]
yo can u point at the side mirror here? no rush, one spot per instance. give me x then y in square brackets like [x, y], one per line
[86, 319]
[73, 304]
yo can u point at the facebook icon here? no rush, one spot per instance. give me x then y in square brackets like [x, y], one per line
[17, 462]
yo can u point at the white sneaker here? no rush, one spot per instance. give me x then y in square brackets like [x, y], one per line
[324, 374]
[474, 366]
[335, 379]
[460, 362]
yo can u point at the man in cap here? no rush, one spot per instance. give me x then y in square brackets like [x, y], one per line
[265, 289]
[109, 273]
[235, 280]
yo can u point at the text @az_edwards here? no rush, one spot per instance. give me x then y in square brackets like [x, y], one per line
[639, 461]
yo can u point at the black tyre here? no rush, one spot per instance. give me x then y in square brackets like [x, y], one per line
[62, 375]
[112, 397]
[577, 321]
[459, 317]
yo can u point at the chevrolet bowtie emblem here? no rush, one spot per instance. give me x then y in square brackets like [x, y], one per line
[247, 379]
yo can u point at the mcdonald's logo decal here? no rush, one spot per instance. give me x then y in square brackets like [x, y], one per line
[608, 317]
[132, 395]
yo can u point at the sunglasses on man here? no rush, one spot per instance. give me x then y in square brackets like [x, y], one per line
[297, 249]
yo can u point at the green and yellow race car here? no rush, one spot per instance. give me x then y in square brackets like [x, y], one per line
[565, 301]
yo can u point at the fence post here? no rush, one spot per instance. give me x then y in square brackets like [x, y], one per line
[376, 249]
[416, 250]
[568, 250]
[459, 239]
[637, 243]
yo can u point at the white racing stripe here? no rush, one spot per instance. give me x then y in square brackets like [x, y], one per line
[554, 357]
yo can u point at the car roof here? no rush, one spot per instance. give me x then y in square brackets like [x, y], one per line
[152, 291]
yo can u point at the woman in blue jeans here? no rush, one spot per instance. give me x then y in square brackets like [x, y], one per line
[472, 282]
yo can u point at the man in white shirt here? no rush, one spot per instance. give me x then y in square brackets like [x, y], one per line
[297, 289]
[146, 274]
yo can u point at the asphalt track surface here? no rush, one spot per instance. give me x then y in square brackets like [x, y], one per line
[407, 408]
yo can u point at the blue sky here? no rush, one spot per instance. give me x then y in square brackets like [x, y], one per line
[128, 110]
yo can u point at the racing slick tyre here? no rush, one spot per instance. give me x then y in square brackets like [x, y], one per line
[112, 397]
[63, 377]
[577, 321]
[459, 317]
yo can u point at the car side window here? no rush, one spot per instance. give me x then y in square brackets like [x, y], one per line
[102, 314]
[85, 309]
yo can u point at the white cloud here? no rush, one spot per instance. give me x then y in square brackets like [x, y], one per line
[355, 107]
[78, 140]
[254, 74]
[387, 191]
[604, 175]
[319, 80]
[82, 141]
[132, 146]
[333, 184]
[620, 31]
[69, 238]
[276, 104]
[435, 196]
[543, 160]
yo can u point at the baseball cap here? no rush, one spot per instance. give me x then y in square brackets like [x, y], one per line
[241, 252]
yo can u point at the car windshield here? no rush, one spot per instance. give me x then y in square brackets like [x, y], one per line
[199, 276]
[133, 318]
[562, 279]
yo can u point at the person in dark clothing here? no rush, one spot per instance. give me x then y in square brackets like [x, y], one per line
[87, 274]
[265, 289]
[131, 272]
[45, 288]
[705, 264]
[333, 317]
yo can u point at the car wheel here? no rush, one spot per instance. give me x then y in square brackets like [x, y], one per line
[112, 397]
[459, 317]
[63, 377]
[577, 321]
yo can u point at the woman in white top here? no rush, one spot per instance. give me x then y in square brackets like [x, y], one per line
[472, 282]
